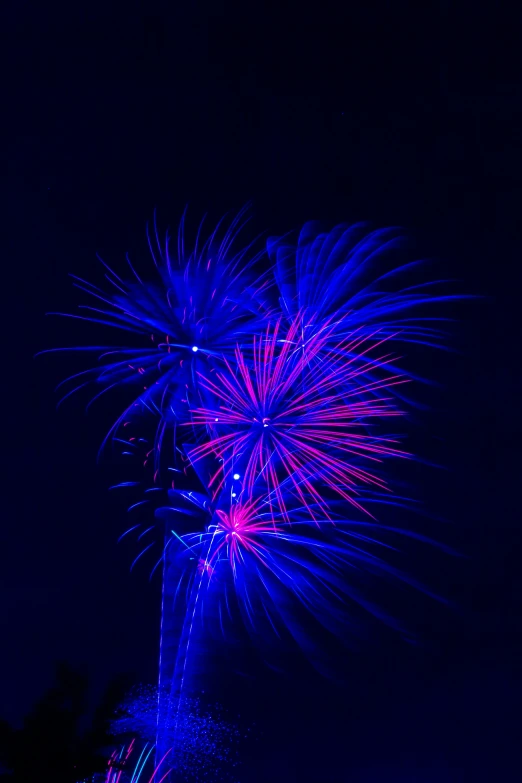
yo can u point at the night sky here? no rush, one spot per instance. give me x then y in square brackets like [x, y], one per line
[401, 113]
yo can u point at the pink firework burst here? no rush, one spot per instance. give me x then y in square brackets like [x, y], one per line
[238, 531]
[298, 415]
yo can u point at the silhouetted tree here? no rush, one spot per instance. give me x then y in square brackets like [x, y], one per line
[60, 741]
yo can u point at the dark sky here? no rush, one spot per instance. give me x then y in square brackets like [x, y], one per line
[398, 112]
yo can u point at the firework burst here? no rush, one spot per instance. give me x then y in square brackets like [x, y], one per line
[300, 415]
[277, 572]
[238, 532]
[208, 299]
[356, 278]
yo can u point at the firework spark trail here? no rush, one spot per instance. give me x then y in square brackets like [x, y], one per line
[172, 704]
[176, 692]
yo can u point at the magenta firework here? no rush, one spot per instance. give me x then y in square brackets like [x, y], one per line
[300, 416]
